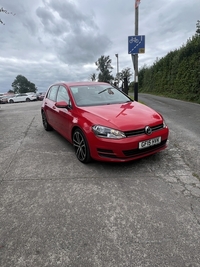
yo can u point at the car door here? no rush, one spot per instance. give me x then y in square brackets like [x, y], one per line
[17, 98]
[64, 115]
[23, 97]
[49, 106]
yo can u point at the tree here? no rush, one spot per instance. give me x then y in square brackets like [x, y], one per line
[6, 12]
[117, 79]
[93, 77]
[125, 73]
[198, 27]
[104, 66]
[22, 85]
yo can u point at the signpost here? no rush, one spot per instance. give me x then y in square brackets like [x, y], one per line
[136, 44]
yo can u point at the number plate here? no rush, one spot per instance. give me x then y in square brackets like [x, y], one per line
[150, 142]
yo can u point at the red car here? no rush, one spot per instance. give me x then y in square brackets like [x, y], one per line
[102, 122]
[41, 96]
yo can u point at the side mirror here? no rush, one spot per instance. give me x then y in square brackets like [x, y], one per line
[61, 104]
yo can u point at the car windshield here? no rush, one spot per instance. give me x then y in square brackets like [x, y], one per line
[94, 95]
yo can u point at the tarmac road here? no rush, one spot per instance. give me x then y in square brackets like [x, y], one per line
[183, 119]
[55, 211]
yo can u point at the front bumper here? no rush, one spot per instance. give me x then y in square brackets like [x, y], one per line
[126, 149]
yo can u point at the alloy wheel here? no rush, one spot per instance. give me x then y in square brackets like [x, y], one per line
[81, 147]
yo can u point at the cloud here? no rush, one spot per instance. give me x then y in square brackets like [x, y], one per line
[50, 40]
[74, 36]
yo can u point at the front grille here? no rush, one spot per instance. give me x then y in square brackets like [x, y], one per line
[141, 131]
[136, 152]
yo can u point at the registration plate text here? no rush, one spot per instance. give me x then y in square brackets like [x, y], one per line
[150, 142]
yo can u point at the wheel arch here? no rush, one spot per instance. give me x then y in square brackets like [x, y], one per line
[84, 128]
[73, 130]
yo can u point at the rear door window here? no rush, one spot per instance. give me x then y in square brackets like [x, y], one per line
[52, 93]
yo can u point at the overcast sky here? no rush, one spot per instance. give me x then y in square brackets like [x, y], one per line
[56, 40]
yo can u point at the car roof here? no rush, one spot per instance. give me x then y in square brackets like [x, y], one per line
[79, 83]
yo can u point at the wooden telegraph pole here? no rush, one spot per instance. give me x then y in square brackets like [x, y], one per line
[135, 56]
[136, 45]
[117, 56]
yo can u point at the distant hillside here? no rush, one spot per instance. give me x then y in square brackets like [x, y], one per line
[176, 75]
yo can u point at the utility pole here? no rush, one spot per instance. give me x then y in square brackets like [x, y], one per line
[135, 56]
[117, 56]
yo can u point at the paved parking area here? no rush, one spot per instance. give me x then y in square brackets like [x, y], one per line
[55, 211]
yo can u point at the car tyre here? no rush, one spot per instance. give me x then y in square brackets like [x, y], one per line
[11, 101]
[28, 100]
[46, 125]
[81, 146]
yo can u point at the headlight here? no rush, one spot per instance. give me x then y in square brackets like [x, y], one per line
[164, 124]
[106, 132]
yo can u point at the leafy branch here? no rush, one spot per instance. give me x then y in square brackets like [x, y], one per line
[6, 12]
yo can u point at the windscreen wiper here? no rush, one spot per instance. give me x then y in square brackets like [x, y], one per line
[105, 90]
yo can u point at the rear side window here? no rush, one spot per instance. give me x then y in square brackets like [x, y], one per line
[52, 93]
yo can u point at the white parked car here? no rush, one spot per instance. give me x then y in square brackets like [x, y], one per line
[25, 97]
